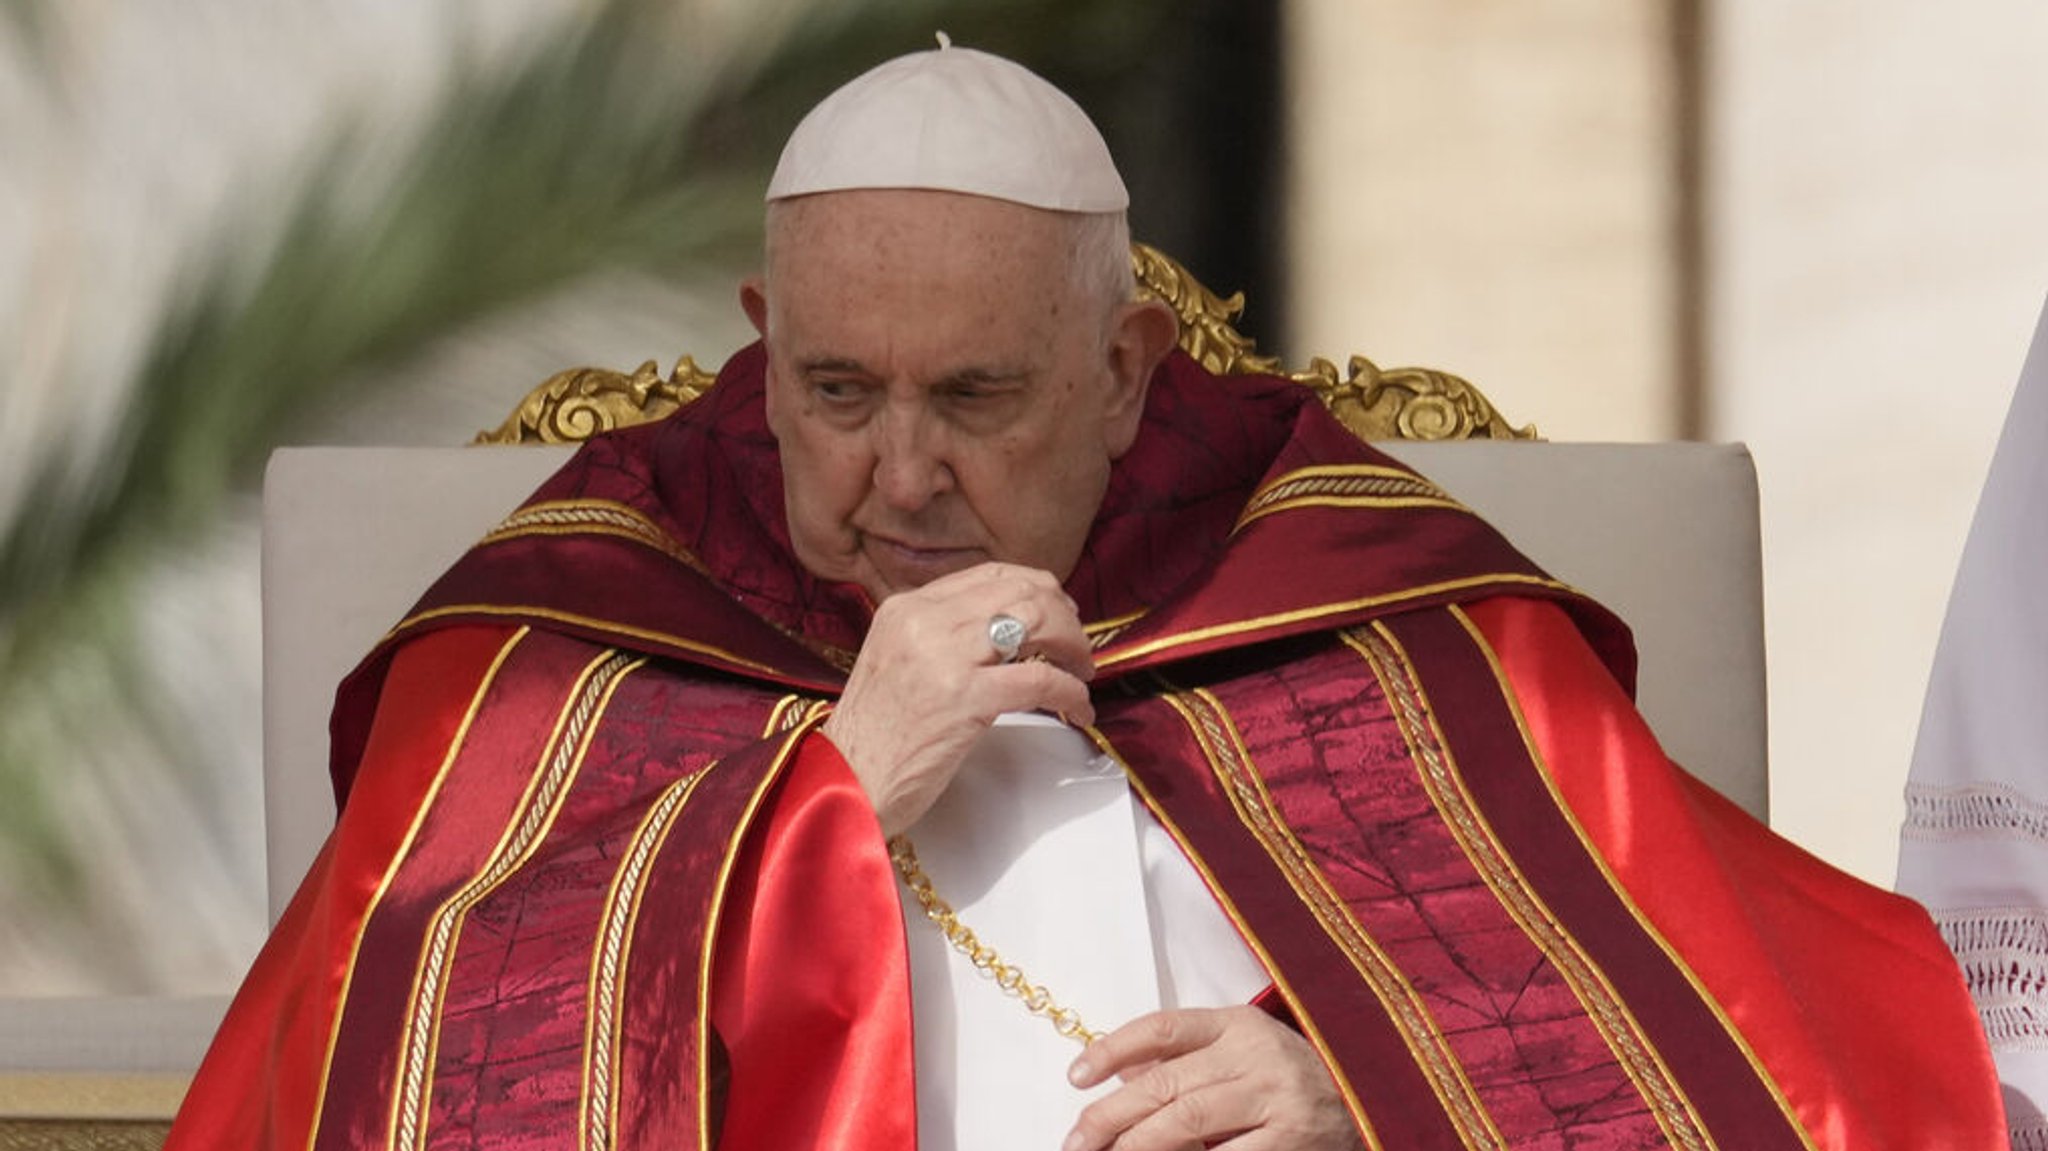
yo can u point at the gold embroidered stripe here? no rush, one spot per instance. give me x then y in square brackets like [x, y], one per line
[1316, 612]
[1102, 632]
[1245, 930]
[602, 626]
[1229, 760]
[707, 960]
[600, 1103]
[782, 713]
[620, 521]
[398, 857]
[794, 711]
[1281, 485]
[600, 517]
[1441, 779]
[1360, 486]
[1620, 892]
[533, 816]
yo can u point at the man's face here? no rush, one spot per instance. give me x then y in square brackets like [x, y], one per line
[942, 394]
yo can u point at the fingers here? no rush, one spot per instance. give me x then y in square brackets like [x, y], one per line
[1185, 1102]
[971, 600]
[1146, 1039]
[928, 680]
[1196, 1078]
[1036, 686]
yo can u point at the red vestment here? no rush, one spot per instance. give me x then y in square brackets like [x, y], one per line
[595, 885]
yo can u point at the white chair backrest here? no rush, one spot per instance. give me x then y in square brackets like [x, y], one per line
[1664, 534]
[351, 538]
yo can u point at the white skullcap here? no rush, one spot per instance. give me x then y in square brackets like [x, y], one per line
[955, 120]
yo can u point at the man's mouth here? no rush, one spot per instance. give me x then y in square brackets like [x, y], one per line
[914, 564]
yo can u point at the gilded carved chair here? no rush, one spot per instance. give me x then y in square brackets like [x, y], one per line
[1666, 534]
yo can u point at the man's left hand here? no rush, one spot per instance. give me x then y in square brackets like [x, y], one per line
[1196, 1077]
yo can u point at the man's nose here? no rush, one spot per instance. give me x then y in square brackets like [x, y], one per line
[910, 464]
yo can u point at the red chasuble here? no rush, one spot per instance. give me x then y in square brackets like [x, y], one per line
[595, 884]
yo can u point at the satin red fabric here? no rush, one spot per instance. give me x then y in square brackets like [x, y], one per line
[1809, 964]
[263, 1081]
[811, 981]
[580, 824]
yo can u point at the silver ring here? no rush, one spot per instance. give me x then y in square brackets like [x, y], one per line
[1006, 635]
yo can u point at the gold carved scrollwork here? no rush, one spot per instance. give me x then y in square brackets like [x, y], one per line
[1375, 403]
[1407, 403]
[1205, 317]
[573, 406]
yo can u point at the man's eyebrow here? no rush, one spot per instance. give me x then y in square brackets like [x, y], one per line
[831, 364]
[973, 374]
[983, 375]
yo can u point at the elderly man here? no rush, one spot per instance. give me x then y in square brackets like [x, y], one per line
[1195, 731]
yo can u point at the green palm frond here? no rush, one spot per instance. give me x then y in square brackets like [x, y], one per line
[29, 20]
[616, 142]
[520, 181]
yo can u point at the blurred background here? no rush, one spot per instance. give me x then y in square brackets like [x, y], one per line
[228, 225]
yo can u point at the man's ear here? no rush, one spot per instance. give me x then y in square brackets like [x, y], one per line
[754, 302]
[1141, 335]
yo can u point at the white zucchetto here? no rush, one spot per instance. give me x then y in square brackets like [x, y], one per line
[955, 120]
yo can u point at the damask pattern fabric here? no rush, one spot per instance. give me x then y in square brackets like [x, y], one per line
[596, 884]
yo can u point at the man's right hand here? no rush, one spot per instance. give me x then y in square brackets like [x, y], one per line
[928, 682]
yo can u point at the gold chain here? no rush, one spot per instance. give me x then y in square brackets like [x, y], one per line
[1035, 998]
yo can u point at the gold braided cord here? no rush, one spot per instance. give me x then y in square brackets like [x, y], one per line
[1014, 983]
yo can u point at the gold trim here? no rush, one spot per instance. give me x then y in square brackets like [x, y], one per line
[534, 816]
[591, 517]
[1341, 472]
[793, 711]
[783, 714]
[1614, 883]
[1339, 500]
[622, 521]
[1443, 781]
[1101, 633]
[1343, 486]
[814, 713]
[1297, 615]
[398, 857]
[1307, 1023]
[1375, 403]
[513, 610]
[715, 912]
[1230, 762]
[601, 1038]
